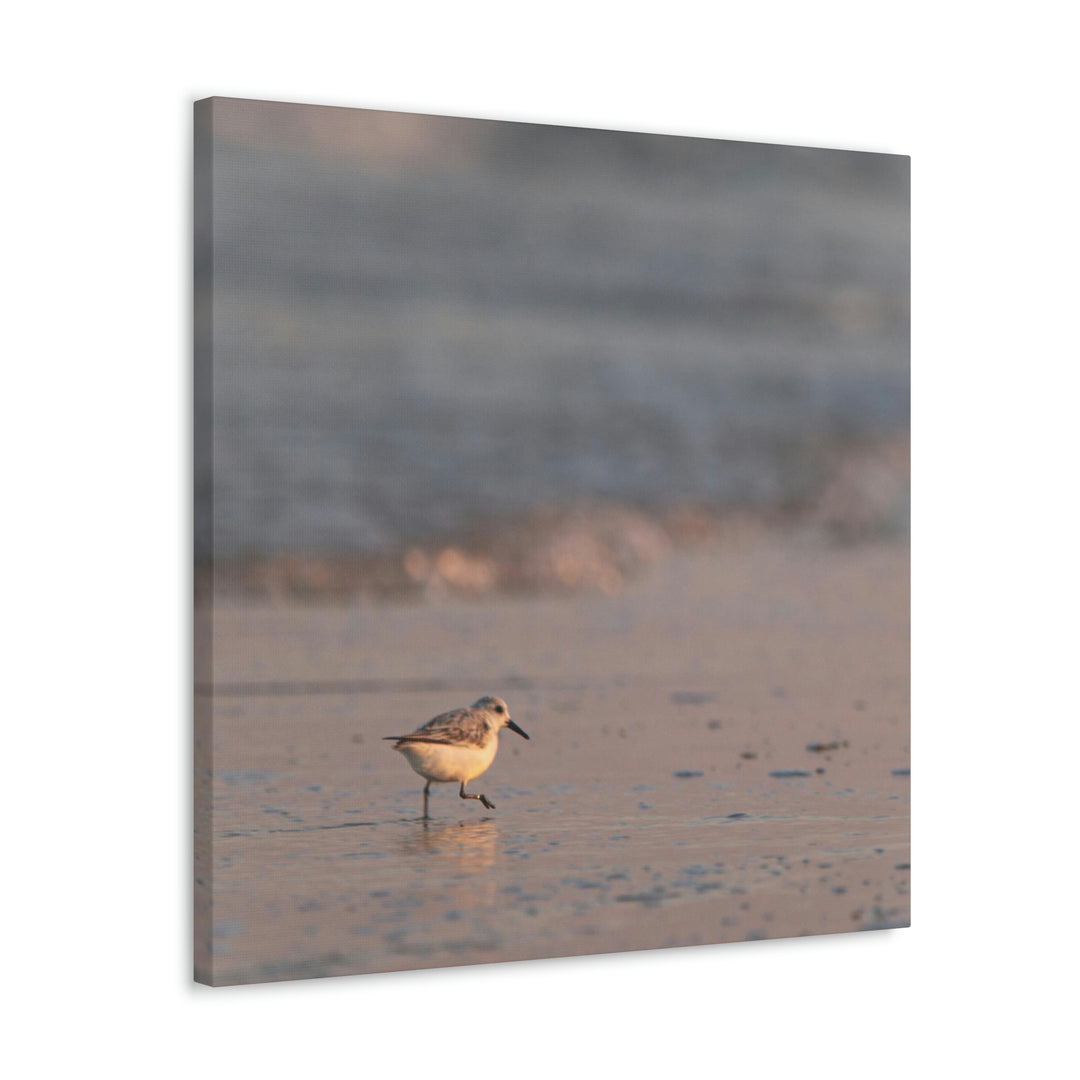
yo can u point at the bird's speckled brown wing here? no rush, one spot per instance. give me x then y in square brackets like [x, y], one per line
[460, 726]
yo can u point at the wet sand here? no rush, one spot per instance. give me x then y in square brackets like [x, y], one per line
[720, 752]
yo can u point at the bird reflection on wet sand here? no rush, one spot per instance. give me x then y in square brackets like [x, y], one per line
[471, 844]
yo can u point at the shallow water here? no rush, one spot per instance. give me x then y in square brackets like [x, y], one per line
[554, 871]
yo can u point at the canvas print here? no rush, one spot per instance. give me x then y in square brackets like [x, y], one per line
[551, 541]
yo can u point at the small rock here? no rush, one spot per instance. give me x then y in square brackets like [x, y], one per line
[825, 747]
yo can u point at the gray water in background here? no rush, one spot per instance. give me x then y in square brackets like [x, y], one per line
[416, 319]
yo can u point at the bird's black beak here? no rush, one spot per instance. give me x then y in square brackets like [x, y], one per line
[513, 727]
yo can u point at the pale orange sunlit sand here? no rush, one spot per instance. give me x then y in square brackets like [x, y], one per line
[719, 752]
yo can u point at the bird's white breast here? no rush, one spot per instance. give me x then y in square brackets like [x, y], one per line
[442, 763]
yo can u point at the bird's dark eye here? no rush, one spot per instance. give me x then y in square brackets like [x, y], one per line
[499, 708]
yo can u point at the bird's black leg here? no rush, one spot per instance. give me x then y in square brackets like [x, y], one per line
[483, 798]
[427, 788]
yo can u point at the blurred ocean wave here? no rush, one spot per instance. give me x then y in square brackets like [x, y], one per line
[422, 323]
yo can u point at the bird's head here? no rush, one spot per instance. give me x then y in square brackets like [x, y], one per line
[498, 713]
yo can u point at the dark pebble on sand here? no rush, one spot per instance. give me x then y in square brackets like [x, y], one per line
[686, 774]
[738, 814]
[825, 747]
[788, 774]
[901, 772]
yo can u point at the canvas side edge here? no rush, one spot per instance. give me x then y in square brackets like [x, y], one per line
[202, 518]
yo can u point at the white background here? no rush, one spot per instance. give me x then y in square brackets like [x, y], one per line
[96, 451]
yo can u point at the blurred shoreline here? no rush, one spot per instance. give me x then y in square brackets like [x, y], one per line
[597, 545]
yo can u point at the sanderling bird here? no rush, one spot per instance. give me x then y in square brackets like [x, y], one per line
[457, 746]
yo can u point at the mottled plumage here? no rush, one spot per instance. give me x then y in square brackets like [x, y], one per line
[457, 746]
[451, 728]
